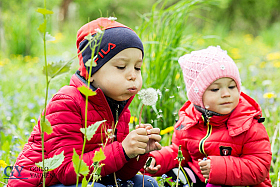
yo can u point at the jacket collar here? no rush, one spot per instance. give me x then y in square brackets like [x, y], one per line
[237, 122]
[100, 99]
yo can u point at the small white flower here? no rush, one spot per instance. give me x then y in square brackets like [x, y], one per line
[196, 90]
[49, 37]
[266, 82]
[109, 130]
[112, 18]
[148, 96]
[98, 30]
[223, 67]
[88, 37]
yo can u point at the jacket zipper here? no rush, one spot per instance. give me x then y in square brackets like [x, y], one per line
[202, 141]
[116, 123]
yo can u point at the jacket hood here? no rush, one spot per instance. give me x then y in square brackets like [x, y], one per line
[238, 121]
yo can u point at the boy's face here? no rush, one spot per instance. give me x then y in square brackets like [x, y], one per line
[222, 96]
[120, 77]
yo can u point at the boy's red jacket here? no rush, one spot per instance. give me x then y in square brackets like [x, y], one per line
[238, 135]
[66, 113]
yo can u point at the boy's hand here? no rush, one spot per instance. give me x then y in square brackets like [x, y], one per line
[205, 167]
[154, 137]
[136, 142]
[152, 168]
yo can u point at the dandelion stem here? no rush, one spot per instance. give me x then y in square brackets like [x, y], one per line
[141, 114]
[177, 181]
[115, 178]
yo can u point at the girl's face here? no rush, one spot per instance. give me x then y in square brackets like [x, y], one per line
[222, 96]
[120, 77]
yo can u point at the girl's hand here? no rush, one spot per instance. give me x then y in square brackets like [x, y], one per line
[152, 168]
[205, 167]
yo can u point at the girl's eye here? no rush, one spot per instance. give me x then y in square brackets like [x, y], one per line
[231, 87]
[138, 69]
[120, 67]
[215, 90]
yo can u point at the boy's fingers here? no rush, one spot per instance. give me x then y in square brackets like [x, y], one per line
[155, 137]
[154, 131]
[141, 131]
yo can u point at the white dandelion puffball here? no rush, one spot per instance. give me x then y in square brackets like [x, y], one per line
[149, 96]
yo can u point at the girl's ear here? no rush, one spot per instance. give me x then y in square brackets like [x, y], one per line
[91, 79]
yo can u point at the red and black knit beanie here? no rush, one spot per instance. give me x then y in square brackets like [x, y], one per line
[116, 38]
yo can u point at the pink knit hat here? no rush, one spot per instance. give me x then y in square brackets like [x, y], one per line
[201, 68]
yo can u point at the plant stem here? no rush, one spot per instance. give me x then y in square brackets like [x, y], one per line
[143, 177]
[141, 114]
[115, 178]
[177, 181]
[46, 99]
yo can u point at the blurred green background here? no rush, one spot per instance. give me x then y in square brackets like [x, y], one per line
[248, 30]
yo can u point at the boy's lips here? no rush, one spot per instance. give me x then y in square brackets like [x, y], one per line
[133, 90]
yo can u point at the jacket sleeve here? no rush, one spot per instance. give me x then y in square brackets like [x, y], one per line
[63, 112]
[132, 167]
[251, 168]
[166, 157]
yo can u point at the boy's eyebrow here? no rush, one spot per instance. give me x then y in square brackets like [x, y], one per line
[125, 59]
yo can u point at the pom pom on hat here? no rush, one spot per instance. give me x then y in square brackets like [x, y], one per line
[116, 38]
[201, 68]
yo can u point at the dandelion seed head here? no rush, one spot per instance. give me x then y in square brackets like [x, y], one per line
[148, 96]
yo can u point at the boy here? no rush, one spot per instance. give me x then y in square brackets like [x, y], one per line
[116, 78]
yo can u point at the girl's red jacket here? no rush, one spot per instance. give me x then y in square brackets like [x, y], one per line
[66, 114]
[237, 145]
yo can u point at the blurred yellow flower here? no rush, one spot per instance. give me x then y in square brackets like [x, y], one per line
[58, 36]
[248, 39]
[3, 164]
[167, 130]
[273, 56]
[27, 58]
[177, 76]
[235, 53]
[262, 64]
[269, 95]
[4, 62]
[133, 119]
[276, 64]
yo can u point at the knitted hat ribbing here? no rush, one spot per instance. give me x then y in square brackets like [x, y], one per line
[116, 38]
[201, 68]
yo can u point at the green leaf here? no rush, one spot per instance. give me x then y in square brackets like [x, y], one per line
[76, 161]
[86, 91]
[44, 11]
[91, 62]
[52, 163]
[84, 182]
[91, 129]
[99, 156]
[148, 163]
[46, 126]
[88, 37]
[42, 28]
[56, 68]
